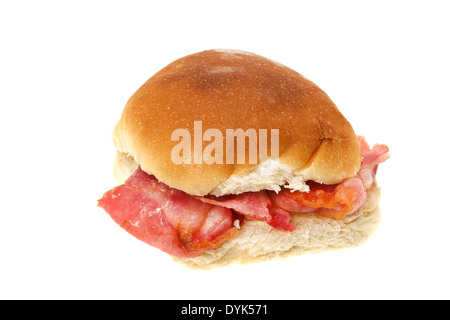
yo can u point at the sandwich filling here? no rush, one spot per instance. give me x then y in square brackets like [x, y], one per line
[185, 226]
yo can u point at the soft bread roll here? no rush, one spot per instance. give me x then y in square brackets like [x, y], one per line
[257, 241]
[227, 89]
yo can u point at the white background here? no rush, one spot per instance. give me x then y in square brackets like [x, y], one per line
[68, 68]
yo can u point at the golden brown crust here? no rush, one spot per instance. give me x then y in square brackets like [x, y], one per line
[229, 90]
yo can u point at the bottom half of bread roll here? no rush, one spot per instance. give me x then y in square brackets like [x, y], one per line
[257, 241]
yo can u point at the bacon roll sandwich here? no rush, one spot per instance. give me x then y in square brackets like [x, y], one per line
[225, 156]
